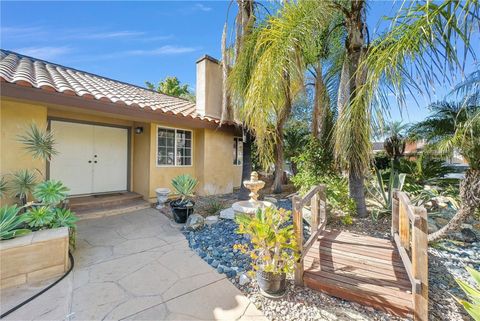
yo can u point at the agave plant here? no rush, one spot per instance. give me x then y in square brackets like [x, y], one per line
[472, 292]
[38, 217]
[381, 197]
[40, 143]
[10, 223]
[184, 185]
[22, 184]
[50, 192]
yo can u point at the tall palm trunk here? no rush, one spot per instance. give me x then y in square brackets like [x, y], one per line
[470, 200]
[246, 165]
[278, 152]
[320, 103]
[355, 42]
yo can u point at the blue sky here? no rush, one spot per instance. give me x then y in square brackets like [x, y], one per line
[134, 41]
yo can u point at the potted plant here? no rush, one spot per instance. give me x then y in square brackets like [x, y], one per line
[274, 247]
[182, 207]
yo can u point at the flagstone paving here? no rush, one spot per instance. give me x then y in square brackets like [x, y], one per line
[136, 266]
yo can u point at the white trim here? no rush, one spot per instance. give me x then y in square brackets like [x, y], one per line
[175, 146]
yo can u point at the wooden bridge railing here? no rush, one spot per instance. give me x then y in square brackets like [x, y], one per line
[410, 233]
[316, 198]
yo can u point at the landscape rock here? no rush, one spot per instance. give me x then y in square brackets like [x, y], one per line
[228, 214]
[194, 222]
[212, 219]
[468, 235]
[243, 279]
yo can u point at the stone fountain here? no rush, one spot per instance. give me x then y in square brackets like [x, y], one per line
[253, 204]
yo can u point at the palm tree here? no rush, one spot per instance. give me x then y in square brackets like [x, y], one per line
[422, 36]
[455, 126]
[269, 74]
[244, 23]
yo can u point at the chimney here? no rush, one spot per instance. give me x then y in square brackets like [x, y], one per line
[209, 87]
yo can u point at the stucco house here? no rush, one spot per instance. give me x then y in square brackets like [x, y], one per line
[113, 136]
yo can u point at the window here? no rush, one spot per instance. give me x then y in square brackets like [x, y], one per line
[237, 151]
[174, 147]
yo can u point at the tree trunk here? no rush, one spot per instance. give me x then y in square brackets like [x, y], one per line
[470, 200]
[357, 192]
[246, 165]
[279, 160]
[279, 155]
[355, 42]
[320, 104]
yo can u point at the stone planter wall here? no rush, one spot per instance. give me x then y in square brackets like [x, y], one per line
[35, 257]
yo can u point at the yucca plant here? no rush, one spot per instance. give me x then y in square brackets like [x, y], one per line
[22, 183]
[11, 223]
[39, 142]
[472, 292]
[381, 197]
[184, 185]
[50, 192]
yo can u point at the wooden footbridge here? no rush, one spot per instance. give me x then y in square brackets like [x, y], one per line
[389, 275]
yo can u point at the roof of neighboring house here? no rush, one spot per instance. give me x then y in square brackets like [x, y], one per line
[377, 146]
[31, 72]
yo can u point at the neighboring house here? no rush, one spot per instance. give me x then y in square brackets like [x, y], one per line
[112, 136]
[414, 148]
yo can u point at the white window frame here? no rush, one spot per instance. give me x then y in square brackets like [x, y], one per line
[175, 146]
[238, 139]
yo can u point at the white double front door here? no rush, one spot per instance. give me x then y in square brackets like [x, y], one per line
[91, 158]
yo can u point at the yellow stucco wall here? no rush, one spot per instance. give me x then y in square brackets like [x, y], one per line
[212, 162]
[15, 120]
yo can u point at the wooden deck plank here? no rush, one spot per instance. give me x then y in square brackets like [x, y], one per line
[359, 268]
[354, 272]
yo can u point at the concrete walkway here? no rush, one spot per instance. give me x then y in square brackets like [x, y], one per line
[135, 266]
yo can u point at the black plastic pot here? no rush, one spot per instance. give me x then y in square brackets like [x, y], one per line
[181, 210]
[272, 284]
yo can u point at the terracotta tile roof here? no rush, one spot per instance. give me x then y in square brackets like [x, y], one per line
[31, 72]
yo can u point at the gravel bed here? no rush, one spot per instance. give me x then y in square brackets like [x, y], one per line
[446, 261]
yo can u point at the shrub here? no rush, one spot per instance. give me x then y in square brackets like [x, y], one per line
[315, 166]
[273, 240]
[214, 206]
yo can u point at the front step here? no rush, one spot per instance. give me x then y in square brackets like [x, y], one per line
[90, 207]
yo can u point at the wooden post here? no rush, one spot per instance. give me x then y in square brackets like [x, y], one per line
[315, 208]
[298, 227]
[395, 214]
[323, 204]
[420, 263]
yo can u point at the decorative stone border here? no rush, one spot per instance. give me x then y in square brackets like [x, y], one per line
[34, 257]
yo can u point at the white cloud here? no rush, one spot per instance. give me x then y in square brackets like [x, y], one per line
[163, 50]
[46, 53]
[112, 35]
[202, 7]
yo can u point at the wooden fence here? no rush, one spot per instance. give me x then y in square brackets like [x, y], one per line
[410, 233]
[316, 198]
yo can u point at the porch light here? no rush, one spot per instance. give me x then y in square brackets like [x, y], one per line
[138, 130]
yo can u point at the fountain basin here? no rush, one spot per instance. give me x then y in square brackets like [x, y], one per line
[250, 207]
